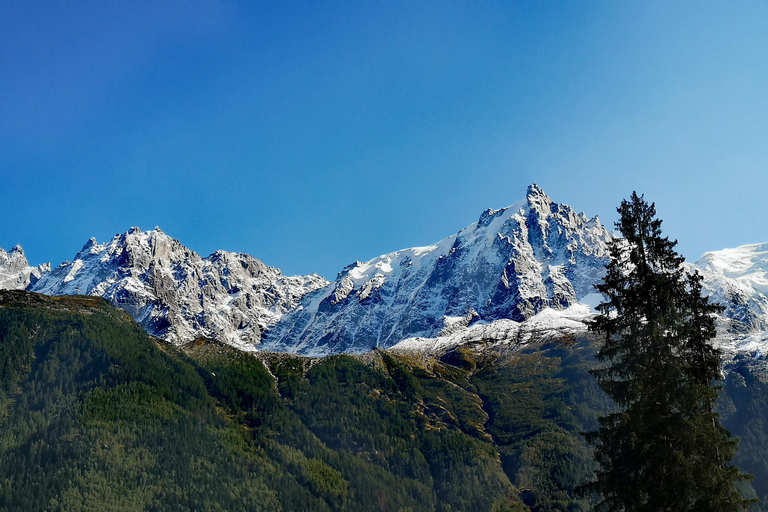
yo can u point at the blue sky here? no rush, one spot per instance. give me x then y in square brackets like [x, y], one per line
[313, 134]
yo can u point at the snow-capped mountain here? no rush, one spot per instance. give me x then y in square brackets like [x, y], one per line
[510, 264]
[735, 278]
[517, 272]
[738, 279]
[15, 272]
[178, 295]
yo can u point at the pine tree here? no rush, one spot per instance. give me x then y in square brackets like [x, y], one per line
[664, 448]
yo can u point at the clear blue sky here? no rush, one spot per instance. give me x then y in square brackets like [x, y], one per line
[312, 134]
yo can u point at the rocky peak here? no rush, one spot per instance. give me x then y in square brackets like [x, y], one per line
[538, 200]
[15, 272]
[178, 295]
[14, 260]
[512, 263]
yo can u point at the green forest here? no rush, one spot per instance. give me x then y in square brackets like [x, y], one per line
[96, 415]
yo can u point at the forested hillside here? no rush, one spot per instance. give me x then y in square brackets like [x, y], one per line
[96, 415]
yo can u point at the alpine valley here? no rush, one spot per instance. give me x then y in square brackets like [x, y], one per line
[454, 376]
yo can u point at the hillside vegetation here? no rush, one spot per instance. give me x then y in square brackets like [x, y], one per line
[96, 415]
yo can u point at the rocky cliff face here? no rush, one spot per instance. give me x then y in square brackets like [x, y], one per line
[15, 272]
[512, 263]
[178, 295]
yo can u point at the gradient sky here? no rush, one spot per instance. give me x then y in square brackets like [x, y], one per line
[313, 134]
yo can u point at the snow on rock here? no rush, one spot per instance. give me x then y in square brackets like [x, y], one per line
[526, 269]
[735, 278]
[512, 263]
[547, 324]
[738, 280]
[15, 272]
[177, 295]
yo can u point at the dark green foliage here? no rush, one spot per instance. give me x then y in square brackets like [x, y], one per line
[535, 407]
[104, 420]
[744, 406]
[95, 415]
[98, 416]
[664, 448]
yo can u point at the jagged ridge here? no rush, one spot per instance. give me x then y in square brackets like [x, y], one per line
[177, 295]
[512, 263]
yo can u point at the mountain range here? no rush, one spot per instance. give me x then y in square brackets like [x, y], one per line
[176, 294]
[528, 266]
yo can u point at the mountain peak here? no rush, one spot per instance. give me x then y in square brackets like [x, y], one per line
[535, 190]
[513, 263]
[14, 258]
[92, 242]
[15, 272]
[177, 295]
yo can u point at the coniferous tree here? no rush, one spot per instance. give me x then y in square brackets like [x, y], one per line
[664, 449]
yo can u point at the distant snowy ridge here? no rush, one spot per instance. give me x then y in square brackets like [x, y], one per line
[177, 295]
[511, 264]
[15, 271]
[738, 279]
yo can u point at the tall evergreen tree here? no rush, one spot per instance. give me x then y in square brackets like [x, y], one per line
[664, 449]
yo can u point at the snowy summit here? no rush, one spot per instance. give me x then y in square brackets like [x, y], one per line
[512, 263]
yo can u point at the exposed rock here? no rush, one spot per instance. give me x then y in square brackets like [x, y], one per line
[737, 279]
[512, 263]
[15, 272]
[178, 295]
